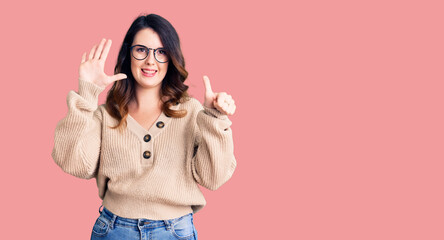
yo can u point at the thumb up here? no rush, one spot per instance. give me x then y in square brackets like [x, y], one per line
[223, 102]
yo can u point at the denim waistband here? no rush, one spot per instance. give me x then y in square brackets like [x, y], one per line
[131, 222]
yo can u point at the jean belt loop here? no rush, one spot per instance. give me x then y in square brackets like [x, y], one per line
[100, 211]
[113, 221]
[167, 224]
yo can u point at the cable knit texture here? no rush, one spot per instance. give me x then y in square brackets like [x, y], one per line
[145, 173]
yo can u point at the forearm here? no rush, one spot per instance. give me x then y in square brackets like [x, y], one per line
[214, 161]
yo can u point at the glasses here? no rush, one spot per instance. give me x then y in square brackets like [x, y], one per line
[140, 52]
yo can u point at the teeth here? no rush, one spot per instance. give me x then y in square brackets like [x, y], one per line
[148, 71]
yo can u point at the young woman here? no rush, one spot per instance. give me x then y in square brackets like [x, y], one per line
[151, 144]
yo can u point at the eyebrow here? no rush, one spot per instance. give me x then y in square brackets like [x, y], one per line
[146, 46]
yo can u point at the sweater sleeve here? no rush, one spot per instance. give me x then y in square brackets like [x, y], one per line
[77, 136]
[214, 162]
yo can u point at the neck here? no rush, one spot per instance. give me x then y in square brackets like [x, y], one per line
[146, 99]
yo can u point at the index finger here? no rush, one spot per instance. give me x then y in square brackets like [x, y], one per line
[99, 49]
[106, 50]
[207, 84]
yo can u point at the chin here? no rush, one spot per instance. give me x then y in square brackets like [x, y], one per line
[149, 82]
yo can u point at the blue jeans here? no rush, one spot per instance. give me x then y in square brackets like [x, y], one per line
[110, 226]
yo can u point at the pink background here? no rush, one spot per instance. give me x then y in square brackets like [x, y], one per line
[338, 129]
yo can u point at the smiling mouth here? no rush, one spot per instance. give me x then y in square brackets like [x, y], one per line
[149, 73]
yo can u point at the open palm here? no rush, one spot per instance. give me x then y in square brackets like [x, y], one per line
[92, 68]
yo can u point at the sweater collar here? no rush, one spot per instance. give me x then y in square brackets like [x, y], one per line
[160, 124]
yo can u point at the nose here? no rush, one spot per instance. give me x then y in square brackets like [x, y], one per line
[150, 58]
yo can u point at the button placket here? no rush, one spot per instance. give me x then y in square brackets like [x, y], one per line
[147, 153]
[160, 124]
[146, 137]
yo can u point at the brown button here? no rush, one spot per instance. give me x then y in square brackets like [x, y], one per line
[147, 138]
[160, 124]
[147, 154]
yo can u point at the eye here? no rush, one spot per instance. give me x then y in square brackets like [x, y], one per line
[161, 51]
[140, 49]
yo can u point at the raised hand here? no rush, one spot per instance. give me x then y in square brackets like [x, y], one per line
[92, 68]
[223, 102]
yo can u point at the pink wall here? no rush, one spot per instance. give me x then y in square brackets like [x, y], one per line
[338, 129]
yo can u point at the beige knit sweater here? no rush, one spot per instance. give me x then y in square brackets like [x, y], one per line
[141, 173]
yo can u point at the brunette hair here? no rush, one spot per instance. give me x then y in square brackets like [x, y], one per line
[173, 87]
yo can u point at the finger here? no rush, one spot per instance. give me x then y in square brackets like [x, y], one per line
[220, 109]
[231, 109]
[225, 106]
[99, 49]
[91, 53]
[83, 57]
[207, 85]
[229, 99]
[216, 95]
[106, 50]
[118, 77]
[216, 105]
[221, 98]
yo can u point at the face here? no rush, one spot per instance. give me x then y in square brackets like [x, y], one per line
[148, 73]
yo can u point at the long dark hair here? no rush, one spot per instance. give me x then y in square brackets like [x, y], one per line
[123, 91]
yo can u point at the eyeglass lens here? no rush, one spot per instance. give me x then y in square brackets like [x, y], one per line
[141, 52]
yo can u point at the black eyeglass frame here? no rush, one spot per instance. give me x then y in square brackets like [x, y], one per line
[154, 52]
